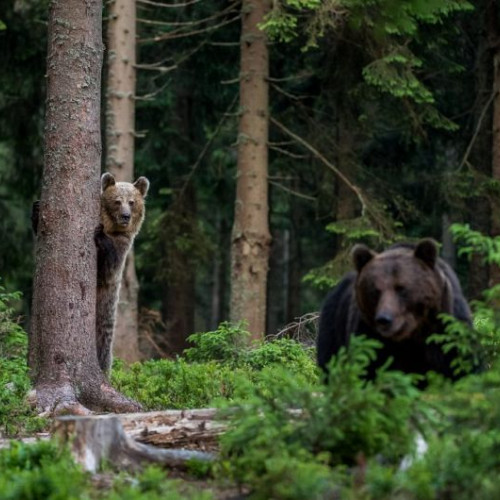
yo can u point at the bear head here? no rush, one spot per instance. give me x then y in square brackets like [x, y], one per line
[122, 204]
[401, 291]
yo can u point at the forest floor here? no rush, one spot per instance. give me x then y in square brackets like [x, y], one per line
[193, 430]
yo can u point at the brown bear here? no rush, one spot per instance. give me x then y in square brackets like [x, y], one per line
[396, 297]
[122, 214]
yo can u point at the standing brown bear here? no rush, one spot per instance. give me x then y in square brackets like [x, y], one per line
[396, 297]
[122, 214]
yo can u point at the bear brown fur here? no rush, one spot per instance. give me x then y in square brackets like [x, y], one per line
[395, 297]
[122, 214]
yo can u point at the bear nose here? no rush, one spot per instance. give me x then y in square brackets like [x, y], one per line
[125, 217]
[384, 320]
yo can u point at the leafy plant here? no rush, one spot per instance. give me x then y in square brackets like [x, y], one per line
[291, 420]
[16, 416]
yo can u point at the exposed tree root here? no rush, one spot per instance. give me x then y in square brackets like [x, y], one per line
[54, 399]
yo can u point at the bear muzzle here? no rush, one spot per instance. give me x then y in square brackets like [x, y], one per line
[390, 327]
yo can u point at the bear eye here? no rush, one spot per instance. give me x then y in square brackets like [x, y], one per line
[118, 203]
[131, 203]
[400, 290]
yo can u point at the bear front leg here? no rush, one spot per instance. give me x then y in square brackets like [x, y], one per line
[107, 257]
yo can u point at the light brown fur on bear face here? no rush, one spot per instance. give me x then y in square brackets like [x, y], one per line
[400, 291]
[122, 205]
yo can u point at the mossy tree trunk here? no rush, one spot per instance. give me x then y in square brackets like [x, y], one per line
[64, 366]
[250, 235]
[120, 134]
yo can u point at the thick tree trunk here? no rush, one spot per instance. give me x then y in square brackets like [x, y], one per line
[63, 356]
[120, 126]
[250, 236]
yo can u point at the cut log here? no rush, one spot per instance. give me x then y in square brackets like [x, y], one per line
[101, 438]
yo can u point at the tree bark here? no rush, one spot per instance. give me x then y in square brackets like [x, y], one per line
[479, 205]
[63, 356]
[120, 134]
[250, 236]
[494, 44]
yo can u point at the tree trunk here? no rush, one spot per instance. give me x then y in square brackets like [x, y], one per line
[494, 44]
[120, 127]
[481, 159]
[250, 236]
[63, 356]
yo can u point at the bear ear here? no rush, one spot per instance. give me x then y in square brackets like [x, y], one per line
[142, 184]
[107, 180]
[361, 255]
[427, 251]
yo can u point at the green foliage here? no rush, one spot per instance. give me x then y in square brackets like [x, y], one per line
[351, 231]
[159, 384]
[15, 414]
[211, 370]
[473, 242]
[151, 484]
[46, 471]
[40, 472]
[224, 344]
[229, 345]
[309, 425]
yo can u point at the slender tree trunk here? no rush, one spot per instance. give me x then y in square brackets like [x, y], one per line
[250, 236]
[481, 155]
[63, 357]
[120, 126]
[494, 43]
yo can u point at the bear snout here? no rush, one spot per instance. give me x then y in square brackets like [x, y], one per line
[124, 218]
[384, 320]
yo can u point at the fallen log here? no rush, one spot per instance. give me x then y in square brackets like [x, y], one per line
[102, 438]
[190, 429]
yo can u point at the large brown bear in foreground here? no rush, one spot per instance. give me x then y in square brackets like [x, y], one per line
[395, 297]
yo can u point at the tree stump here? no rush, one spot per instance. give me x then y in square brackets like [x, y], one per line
[101, 438]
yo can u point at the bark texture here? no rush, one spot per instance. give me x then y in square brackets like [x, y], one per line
[480, 217]
[494, 44]
[250, 236]
[63, 356]
[120, 135]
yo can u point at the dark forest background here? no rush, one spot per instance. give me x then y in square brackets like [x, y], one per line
[399, 97]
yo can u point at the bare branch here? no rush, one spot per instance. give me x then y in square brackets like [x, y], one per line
[208, 144]
[357, 191]
[217, 15]
[178, 34]
[169, 5]
[292, 191]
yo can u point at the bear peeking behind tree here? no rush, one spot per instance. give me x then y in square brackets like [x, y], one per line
[395, 297]
[122, 213]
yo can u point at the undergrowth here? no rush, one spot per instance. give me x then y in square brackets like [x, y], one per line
[16, 416]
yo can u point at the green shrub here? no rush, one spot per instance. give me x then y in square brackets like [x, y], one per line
[40, 472]
[159, 384]
[16, 417]
[226, 344]
[288, 419]
[46, 471]
[217, 367]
